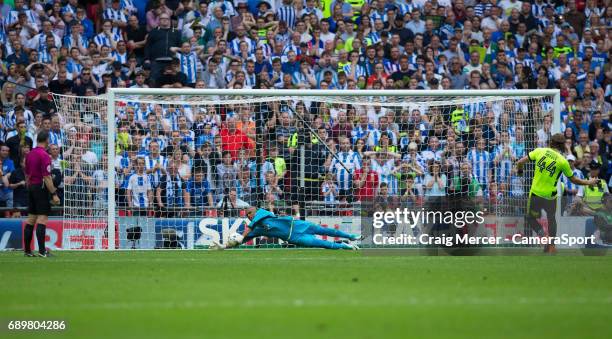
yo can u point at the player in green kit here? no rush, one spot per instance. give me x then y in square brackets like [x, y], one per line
[550, 164]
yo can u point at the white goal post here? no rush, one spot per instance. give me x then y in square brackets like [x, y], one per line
[380, 98]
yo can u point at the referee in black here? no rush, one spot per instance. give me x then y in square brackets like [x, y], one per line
[40, 186]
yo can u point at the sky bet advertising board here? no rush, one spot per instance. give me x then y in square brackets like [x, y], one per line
[193, 233]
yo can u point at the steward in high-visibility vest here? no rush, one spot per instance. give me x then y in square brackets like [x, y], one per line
[292, 141]
[341, 65]
[459, 120]
[593, 195]
[315, 154]
[326, 7]
[389, 148]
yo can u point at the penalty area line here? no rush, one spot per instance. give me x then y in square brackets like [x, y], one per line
[255, 303]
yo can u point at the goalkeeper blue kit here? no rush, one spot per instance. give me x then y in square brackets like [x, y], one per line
[295, 231]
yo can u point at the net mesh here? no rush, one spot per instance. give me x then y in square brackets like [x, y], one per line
[186, 166]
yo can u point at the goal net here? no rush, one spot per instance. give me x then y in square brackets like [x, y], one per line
[175, 168]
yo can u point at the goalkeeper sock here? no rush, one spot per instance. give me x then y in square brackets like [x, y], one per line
[40, 236]
[28, 233]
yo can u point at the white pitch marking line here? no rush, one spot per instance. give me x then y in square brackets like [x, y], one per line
[254, 303]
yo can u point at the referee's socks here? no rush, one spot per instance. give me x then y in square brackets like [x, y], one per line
[28, 233]
[41, 232]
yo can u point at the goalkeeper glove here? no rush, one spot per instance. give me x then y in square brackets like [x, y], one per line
[217, 246]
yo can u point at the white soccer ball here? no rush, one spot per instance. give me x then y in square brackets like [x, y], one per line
[234, 240]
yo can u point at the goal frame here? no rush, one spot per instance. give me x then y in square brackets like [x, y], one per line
[113, 92]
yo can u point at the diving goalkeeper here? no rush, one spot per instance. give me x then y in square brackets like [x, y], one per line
[295, 231]
[550, 164]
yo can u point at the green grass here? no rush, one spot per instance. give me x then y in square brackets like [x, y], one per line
[307, 294]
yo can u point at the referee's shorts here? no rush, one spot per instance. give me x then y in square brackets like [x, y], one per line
[38, 200]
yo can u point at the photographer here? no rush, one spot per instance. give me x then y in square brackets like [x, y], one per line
[229, 205]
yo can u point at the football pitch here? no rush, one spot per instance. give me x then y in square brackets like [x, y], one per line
[306, 294]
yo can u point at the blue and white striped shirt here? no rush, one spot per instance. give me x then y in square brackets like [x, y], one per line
[480, 8]
[250, 80]
[13, 16]
[2, 131]
[102, 40]
[235, 45]
[405, 8]
[39, 42]
[328, 187]
[69, 42]
[538, 10]
[359, 70]
[376, 15]
[173, 187]
[359, 133]
[74, 67]
[189, 138]
[69, 9]
[122, 58]
[375, 37]
[141, 114]
[419, 160]
[150, 162]
[115, 15]
[481, 165]
[376, 134]
[189, 65]
[140, 186]
[10, 120]
[266, 49]
[291, 47]
[226, 6]
[147, 140]
[44, 56]
[129, 4]
[475, 107]
[390, 67]
[288, 15]
[386, 175]
[504, 166]
[351, 161]
[57, 137]
[568, 184]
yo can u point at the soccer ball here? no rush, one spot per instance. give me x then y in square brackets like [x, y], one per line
[234, 240]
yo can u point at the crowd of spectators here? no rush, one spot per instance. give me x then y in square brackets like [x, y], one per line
[180, 159]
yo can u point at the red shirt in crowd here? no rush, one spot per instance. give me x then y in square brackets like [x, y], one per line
[37, 166]
[368, 190]
[235, 141]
